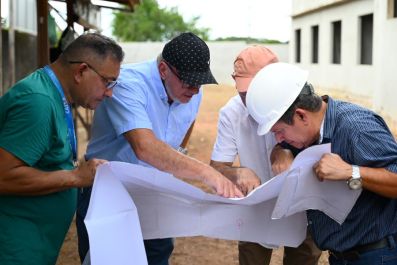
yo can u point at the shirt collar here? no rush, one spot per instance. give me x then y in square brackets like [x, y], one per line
[320, 140]
[158, 82]
[328, 125]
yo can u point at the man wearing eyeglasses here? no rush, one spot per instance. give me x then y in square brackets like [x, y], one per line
[38, 148]
[152, 108]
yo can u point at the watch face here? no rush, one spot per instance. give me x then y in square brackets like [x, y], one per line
[355, 184]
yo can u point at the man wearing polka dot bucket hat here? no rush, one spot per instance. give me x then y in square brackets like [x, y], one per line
[154, 103]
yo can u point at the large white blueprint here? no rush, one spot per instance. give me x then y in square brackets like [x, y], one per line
[302, 190]
[112, 223]
[273, 214]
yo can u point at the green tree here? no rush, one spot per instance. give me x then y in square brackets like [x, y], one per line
[250, 40]
[149, 22]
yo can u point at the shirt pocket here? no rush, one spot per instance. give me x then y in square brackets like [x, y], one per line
[177, 130]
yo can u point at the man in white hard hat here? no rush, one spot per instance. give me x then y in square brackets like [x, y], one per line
[237, 137]
[364, 155]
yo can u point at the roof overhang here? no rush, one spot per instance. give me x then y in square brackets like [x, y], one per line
[128, 4]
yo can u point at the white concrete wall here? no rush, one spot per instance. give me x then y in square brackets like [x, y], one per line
[385, 59]
[301, 6]
[222, 55]
[349, 75]
[376, 82]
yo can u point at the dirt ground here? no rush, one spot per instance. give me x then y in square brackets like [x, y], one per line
[191, 250]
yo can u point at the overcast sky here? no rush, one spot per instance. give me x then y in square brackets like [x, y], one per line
[268, 19]
[265, 19]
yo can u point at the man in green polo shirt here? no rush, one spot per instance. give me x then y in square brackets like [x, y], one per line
[38, 179]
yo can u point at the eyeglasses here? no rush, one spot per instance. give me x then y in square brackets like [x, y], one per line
[184, 84]
[109, 82]
[173, 71]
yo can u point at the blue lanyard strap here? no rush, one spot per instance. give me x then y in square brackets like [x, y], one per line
[67, 109]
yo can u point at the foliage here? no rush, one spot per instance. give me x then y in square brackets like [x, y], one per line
[149, 22]
[250, 40]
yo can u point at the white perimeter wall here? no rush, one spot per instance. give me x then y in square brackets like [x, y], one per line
[222, 55]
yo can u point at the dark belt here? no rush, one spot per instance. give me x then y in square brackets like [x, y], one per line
[354, 253]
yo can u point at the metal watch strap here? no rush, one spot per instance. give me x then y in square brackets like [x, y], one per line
[354, 182]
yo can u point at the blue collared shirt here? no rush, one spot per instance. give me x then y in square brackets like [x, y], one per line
[139, 101]
[362, 138]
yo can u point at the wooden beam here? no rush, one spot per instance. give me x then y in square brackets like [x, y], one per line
[43, 47]
[130, 3]
[2, 90]
[133, 3]
[71, 16]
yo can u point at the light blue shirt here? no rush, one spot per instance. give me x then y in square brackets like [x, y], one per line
[139, 101]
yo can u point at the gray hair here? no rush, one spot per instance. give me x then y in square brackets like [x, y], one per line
[93, 44]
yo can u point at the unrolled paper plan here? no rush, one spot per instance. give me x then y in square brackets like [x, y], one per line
[130, 203]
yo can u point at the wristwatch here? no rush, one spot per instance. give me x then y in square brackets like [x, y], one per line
[355, 182]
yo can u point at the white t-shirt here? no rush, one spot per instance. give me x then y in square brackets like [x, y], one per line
[237, 136]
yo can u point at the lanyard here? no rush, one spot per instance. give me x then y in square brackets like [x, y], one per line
[68, 112]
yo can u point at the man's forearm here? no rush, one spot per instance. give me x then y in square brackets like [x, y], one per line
[227, 169]
[245, 178]
[380, 181]
[18, 178]
[161, 156]
[281, 159]
[25, 180]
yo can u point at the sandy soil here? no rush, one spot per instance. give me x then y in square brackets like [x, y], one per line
[191, 250]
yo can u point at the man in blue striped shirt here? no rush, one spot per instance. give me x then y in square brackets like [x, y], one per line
[364, 154]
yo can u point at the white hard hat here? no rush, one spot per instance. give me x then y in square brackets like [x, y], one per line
[272, 91]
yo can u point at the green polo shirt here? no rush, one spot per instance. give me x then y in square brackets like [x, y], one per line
[33, 128]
